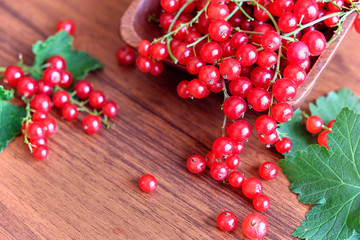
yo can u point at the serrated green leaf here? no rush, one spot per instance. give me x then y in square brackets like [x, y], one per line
[329, 107]
[6, 94]
[10, 122]
[330, 179]
[296, 131]
[79, 63]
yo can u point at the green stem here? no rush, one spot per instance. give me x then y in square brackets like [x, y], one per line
[198, 40]
[239, 5]
[262, 33]
[27, 119]
[81, 107]
[2, 69]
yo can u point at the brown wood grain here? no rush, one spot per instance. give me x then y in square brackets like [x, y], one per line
[87, 189]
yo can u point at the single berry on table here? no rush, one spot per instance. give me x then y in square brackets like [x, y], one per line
[147, 183]
[261, 203]
[252, 187]
[268, 170]
[196, 164]
[226, 221]
[255, 226]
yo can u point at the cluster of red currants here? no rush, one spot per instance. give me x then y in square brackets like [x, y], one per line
[255, 50]
[37, 125]
[314, 125]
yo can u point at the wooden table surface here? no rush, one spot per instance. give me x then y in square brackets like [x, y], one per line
[88, 189]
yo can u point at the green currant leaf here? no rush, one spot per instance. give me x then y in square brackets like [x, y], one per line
[329, 107]
[10, 122]
[79, 63]
[6, 94]
[330, 179]
[296, 131]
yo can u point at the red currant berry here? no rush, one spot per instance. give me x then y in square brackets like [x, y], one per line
[234, 107]
[143, 47]
[226, 221]
[307, 10]
[41, 152]
[196, 164]
[203, 24]
[239, 39]
[219, 171]
[315, 41]
[125, 55]
[284, 89]
[216, 87]
[232, 162]
[41, 87]
[57, 62]
[260, 28]
[170, 5]
[230, 69]
[66, 79]
[336, 5]
[261, 77]
[252, 187]
[218, 11]
[97, 99]
[182, 89]
[110, 109]
[157, 68]
[182, 53]
[266, 59]
[295, 73]
[268, 170]
[52, 76]
[147, 183]
[271, 40]
[330, 124]
[83, 89]
[38, 142]
[219, 30]
[12, 75]
[240, 87]
[284, 145]
[223, 147]
[288, 22]
[210, 159]
[211, 52]
[35, 130]
[144, 63]
[261, 203]
[269, 139]
[26, 86]
[247, 55]
[236, 179]
[41, 102]
[255, 226]
[357, 24]
[239, 131]
[197, 89]
[159, 51]
[278, 7]
[314, 124]
[39, 116]
[265, 124]
[331, 21]
[91, 124]
[61, 98]
[259, 99]
[209, 75]
[194, 64]
[49, 126]
[66, 25]
[70, 112]
[298, 52]
[282, 112]
[239, 147]
[322, 139]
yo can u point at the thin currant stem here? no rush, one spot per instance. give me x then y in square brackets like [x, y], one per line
[239, 5]
[27, 119]
[313, 23]
[305, 115]
[81, 107]
[262, 33]
[198, 40]
[232, 13]
[226, 96]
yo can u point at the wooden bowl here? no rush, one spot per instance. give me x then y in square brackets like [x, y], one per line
[135, 26]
